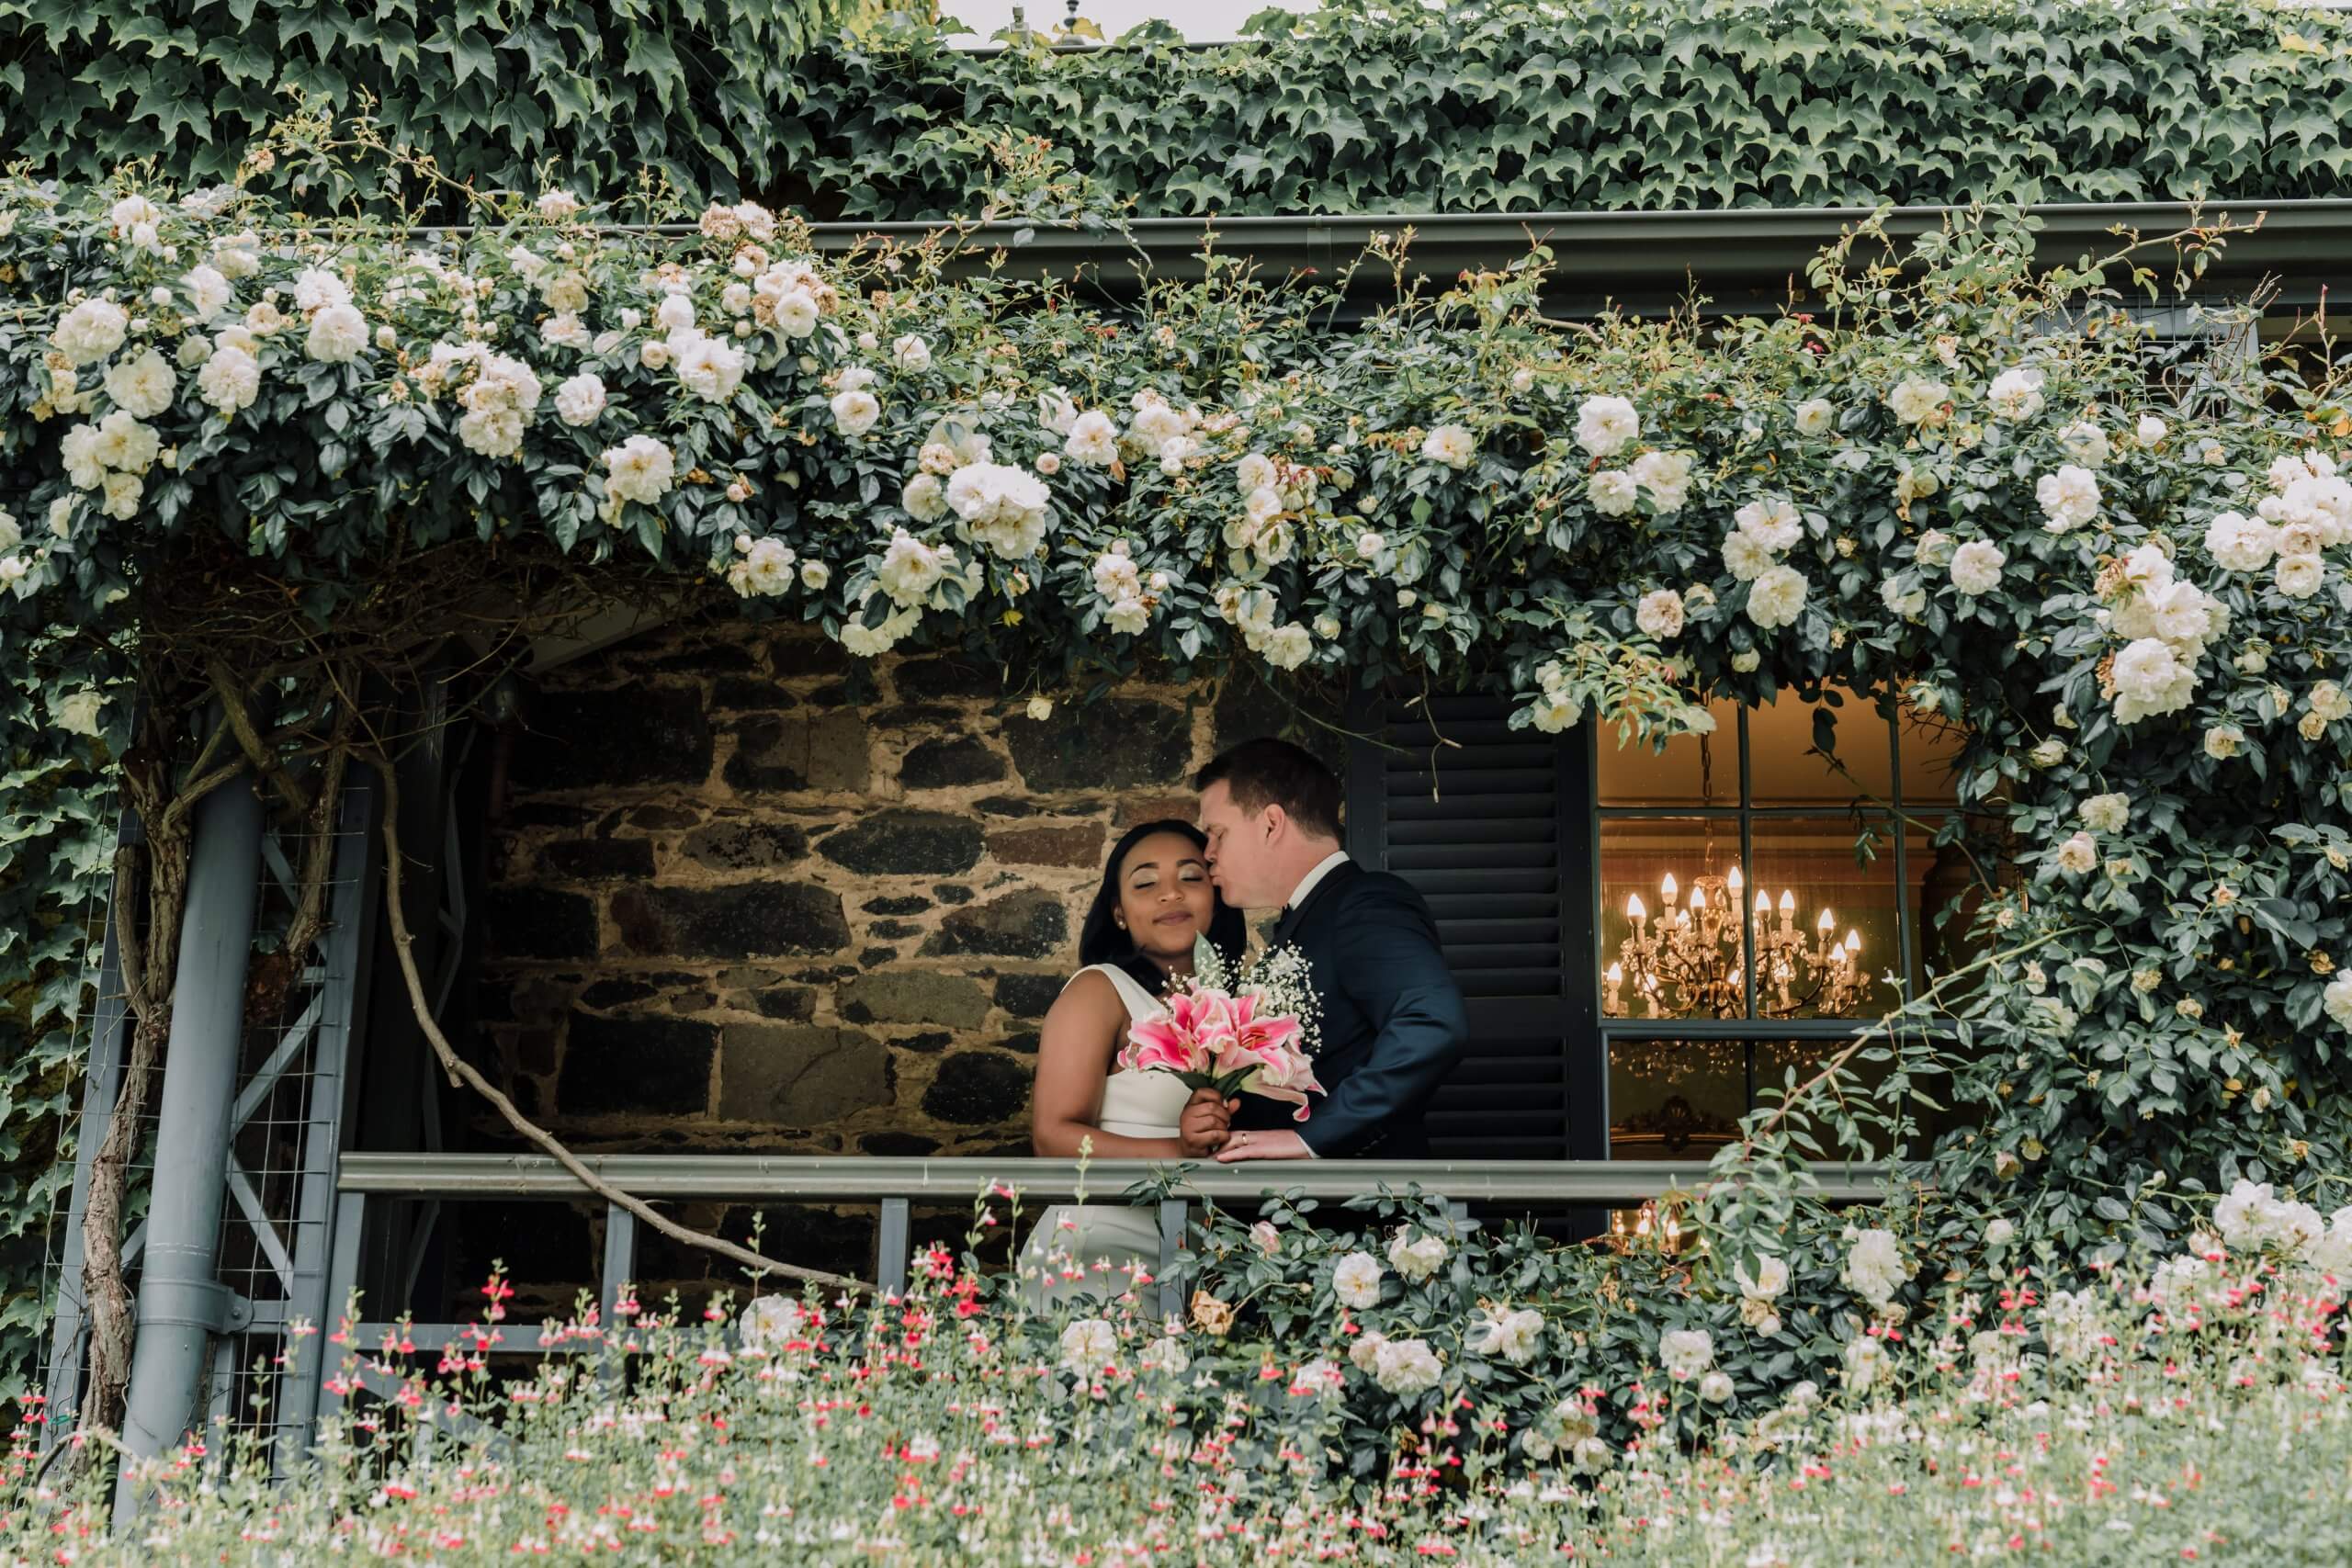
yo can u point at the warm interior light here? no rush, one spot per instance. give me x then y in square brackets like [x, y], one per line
[1616, 973]
[1763, 903]
[1666, 890]
[1828, 919]
[1854, 941]
[1698, 900]
[1634, 911]
[1735, 882]
[1788, 902]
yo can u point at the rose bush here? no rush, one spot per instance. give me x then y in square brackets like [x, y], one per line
[1967, 487]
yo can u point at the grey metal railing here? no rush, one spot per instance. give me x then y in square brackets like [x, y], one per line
[896, 1185]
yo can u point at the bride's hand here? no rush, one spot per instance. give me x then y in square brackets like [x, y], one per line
[1203, 1127]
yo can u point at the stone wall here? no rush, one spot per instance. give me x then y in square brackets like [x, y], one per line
[748, 894]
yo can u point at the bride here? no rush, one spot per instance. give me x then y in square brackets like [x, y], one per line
[1156, 897]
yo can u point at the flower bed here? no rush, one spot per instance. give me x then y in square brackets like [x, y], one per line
[1368, 1396]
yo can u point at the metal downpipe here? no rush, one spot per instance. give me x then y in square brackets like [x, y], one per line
[181, 1300]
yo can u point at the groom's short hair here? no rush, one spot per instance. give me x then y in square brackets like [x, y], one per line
[1266, 771]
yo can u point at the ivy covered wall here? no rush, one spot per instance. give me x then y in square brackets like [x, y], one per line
[1503, 106]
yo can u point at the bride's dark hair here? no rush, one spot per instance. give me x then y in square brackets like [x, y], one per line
[1101, 939]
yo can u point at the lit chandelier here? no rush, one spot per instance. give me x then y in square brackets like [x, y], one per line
[1687, 961]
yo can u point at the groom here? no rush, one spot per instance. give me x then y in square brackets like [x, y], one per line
[1392, 1023]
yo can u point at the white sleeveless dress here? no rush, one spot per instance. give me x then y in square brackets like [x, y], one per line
[1135, 1105]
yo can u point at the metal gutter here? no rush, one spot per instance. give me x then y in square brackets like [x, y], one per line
[2306, 243]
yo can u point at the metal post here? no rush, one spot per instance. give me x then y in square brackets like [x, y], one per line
[890, 1246]
[343, 1278]
[1173, 1217]
[181, 1300]
[348, 940]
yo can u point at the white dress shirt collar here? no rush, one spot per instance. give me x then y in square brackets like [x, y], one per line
[1320, 870]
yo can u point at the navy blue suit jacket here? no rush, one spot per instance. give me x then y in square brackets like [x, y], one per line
[1393, 1021]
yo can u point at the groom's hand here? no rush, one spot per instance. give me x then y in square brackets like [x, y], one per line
[1263, 1144]
[1203, 1126]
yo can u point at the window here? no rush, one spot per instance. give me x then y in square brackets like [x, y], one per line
[1600, 908]
[1756, 898]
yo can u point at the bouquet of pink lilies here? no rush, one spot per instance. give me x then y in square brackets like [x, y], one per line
[1253, 1030]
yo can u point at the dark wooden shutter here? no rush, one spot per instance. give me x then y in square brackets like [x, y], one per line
[1492, 826]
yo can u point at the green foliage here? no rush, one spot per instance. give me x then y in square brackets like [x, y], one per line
[1501, 106]
[494, 89]
[56, 838]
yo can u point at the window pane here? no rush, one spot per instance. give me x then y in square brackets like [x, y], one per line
[1946, 889]
[1930, 747]
[1784, 770]
[1670, 951]
[1683, 1100]
[1678, 1099]
[1633, 774]
[1826, 936]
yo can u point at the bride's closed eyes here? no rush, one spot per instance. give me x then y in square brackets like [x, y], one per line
[1148, 876]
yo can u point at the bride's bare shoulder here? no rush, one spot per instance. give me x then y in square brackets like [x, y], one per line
[1090, 991]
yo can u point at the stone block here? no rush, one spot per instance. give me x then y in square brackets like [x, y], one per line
[1032, 923]
[1048, 846]
[913, 716]
[538, 922]
[900, 1144]
[623, 739]
[735, 845]
[786, 1001]
[905, 843]
[949, 762]
[876, 957]
[751, 920]
[597, 859]
[978, 1089]
[949, 675]
[1028, 996]
[741, 694]
[799, 1074]
[1246, 709]
[640, 1065]
[1113, 743]
[655, 815]
[913, 904]
[805, 650]
[824, 749]
[1139, 809]
[914, 996]
[613, 993]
